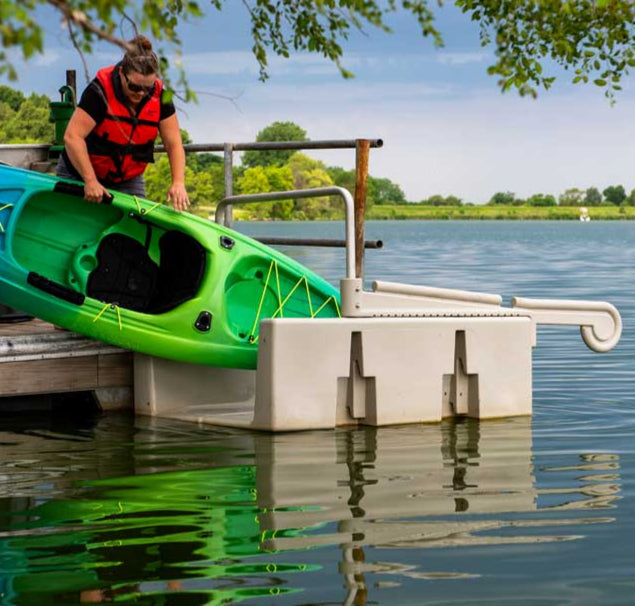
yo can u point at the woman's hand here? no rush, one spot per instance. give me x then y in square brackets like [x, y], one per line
[94, 191]
[178, 197]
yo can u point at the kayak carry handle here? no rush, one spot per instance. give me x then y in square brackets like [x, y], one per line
[73, 189]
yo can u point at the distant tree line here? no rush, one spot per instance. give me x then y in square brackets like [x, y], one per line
[614, 195]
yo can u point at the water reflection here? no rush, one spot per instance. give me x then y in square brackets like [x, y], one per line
[157, 512]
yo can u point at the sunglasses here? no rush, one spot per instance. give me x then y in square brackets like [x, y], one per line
[137, 88]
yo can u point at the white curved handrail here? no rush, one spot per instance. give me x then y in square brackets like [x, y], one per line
[600, 323]
[316, 192]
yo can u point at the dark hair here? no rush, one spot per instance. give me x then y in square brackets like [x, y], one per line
[140, 57]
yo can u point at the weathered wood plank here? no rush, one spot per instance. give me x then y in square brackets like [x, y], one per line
[48, 376]
[115, 370]
[36, 358]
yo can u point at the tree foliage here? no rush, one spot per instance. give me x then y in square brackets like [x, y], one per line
[24, 119]
[277, 131]
[592, 38]
[503, 197]
[439, 200]
[571, 197]
[542, 200]
[13, 98]
[379, 190]
[592, 197]
[615, 194]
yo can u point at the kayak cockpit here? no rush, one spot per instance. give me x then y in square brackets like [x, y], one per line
[126, 274]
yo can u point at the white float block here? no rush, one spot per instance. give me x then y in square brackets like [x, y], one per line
[193, 392]
[303, 366]
[321, 373]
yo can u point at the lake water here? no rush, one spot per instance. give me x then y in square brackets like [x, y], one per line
[519, 511]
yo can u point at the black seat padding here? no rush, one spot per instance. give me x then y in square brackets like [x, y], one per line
[125, 273]
[127, 276]
[180, 273]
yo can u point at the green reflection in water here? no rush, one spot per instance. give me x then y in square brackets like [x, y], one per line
[181, 533]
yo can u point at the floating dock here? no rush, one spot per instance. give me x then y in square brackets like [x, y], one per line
[400, 353]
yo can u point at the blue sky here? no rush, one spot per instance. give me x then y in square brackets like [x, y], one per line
[446, 127]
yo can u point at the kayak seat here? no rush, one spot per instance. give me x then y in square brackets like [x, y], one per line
[181, 271]
[127, 276]
[125, 273]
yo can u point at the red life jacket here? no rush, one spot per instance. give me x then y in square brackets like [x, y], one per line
[121, 146]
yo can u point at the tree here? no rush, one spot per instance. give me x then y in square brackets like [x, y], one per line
[592, 197]
[542, 200]
[571, 197]
[614, 194]
[342, 177]
[309, 173]
[630, 201]
[384, 191]
[593, 38]
[29, 123]
[278, 131]
[439, 200]
[200, 185]
[204, 161]
[503, 197]
[379, 190]
[13, 98]
[262, 179]
[157, 177]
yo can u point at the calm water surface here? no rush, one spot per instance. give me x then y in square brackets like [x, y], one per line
[522, 511]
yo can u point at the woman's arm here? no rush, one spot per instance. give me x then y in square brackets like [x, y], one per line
[171, 136]
[79, 127]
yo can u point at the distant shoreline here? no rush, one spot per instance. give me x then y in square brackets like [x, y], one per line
[472, 213]
[501, 213]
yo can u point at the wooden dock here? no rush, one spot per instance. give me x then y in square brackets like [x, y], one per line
[38, 358]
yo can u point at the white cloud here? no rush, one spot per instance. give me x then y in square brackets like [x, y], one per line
[216, 63]
[461, 58]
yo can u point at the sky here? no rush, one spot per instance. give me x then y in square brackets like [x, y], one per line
[446, 127]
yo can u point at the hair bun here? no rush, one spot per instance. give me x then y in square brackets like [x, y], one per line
[142, 43]
[140, 58]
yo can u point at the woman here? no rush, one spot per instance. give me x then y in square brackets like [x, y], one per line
[110, 137]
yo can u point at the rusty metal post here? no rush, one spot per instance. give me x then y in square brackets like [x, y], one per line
[229, 182]
[361, 182]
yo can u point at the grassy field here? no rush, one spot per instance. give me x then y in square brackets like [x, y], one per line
[513, 213]
[501, 213]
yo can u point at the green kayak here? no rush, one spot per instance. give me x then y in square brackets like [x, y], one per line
[144, 277]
